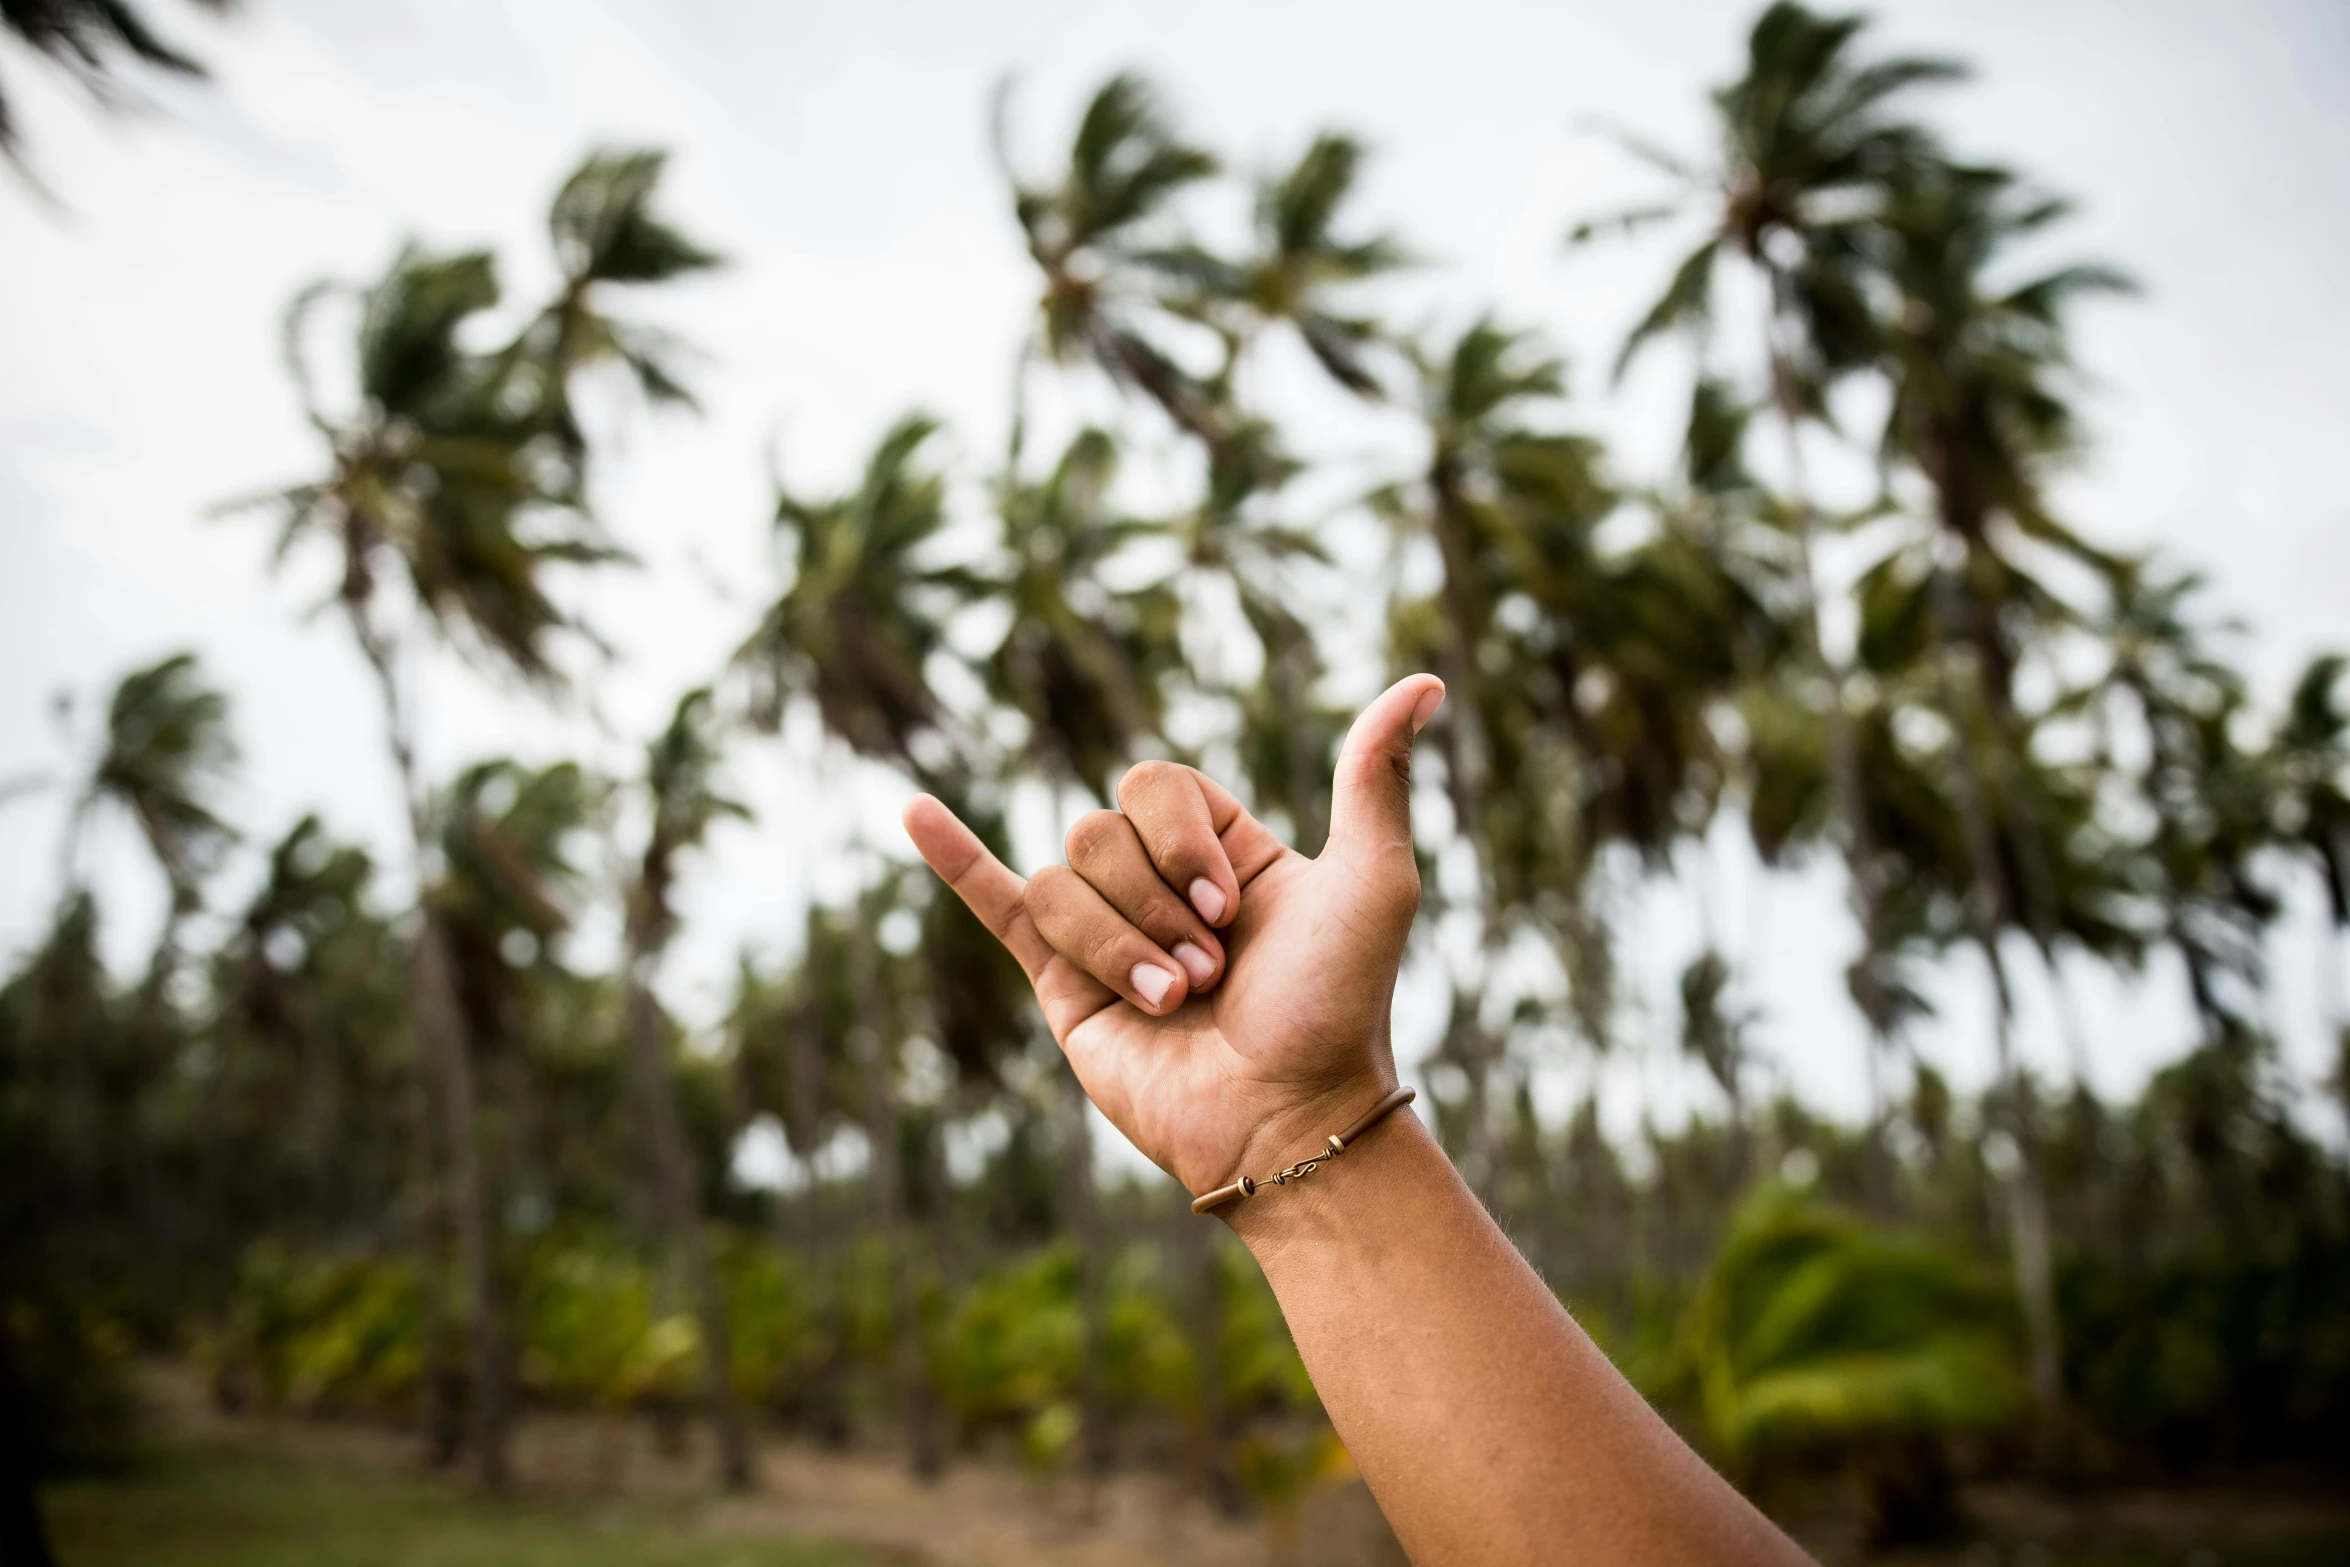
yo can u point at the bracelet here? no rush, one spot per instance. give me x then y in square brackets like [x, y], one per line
[1246, 1186]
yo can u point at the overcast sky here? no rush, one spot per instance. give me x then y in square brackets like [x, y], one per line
[838, 154]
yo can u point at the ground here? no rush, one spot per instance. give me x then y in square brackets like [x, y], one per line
[260, 1492]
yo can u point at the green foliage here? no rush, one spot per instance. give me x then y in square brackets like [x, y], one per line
[1811, 1331]
[315, 1331]
[596, 1333]
[775, 1311]
[1007, 1354]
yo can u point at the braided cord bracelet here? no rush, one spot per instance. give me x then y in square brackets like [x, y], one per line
[1247, 1186]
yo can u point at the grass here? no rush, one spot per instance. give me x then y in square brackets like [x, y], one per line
[212, 1507]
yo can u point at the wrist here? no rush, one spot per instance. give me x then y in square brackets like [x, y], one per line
[1351, 1202]
[1302, 1129]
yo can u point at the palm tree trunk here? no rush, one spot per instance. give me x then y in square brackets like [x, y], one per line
[2027, 1209]
[823, 1400]
[1844, 770]
[917, 1402]
[1466, 769]
[438, 1013]
[444, 1383]
[150, 1048]
[1988, 910]
[448, 1055]
[677, 1212]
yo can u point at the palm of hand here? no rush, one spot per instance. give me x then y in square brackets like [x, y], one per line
[1299, 1020]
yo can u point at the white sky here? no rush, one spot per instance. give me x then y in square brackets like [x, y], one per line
[838, 153]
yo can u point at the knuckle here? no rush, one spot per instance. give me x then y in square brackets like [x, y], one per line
[1176, 848]
[1095, 832]
[1109, 954]
[1047, 889]
[1145, 776]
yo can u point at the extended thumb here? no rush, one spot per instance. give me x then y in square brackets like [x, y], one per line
[1371, 797]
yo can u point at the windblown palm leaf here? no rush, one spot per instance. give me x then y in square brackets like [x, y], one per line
[606, 235]
[166, 756]
[1085, 663]
[1092, 237]
[91, 40]
[1297, 269]
[865, 608]
[681, 787]
[1809, 135]
[510, 840]
[434, 482]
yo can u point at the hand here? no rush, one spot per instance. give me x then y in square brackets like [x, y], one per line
[1217, 1055]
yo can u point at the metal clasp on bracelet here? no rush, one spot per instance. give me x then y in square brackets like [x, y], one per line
[1335, 1145]
[1305, 1167]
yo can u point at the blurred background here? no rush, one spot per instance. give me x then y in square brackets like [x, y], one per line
[504, 502]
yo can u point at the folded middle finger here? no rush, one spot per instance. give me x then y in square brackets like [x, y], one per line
[1105, 849]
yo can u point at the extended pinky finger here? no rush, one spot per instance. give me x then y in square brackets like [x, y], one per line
[985, 884]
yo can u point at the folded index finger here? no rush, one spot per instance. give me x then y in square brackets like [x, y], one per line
[985, 884]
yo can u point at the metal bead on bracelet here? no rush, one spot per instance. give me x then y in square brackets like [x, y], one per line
[1338, 1143]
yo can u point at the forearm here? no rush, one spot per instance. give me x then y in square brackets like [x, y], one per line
[1488, 1425]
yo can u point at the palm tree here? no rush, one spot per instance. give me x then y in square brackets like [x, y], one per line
[445, 521]
[606, 236]
[1501, 500]
[91, 40]
[1973, 362]
[1087, 664]
[164, 759]
[510, 840]
[1105, 278]
[1809, 137]
[853, 632]
[166, 755]
[310, 994]
[1093, 236]
[1296, 273]
[2211, 804]
[681, 790]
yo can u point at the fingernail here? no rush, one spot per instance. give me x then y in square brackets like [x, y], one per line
[1195, 963]
[1208, 898]
[1430, 701]
[1153, 981]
